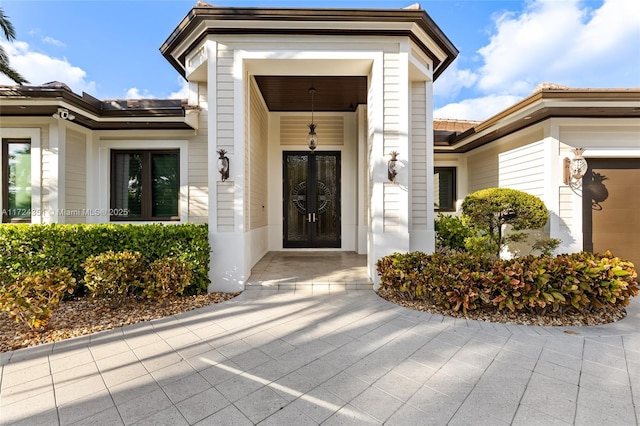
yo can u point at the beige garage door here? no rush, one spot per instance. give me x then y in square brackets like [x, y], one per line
[611, 207]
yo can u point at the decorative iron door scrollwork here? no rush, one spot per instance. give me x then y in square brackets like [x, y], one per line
[311, 188]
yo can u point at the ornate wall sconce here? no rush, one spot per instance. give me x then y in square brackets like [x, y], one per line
[574, 169]
[392, 170]
[223, 165]
[64, 114]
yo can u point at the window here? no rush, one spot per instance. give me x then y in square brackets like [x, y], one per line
[145, 185]
[16, 182]
[444, 189]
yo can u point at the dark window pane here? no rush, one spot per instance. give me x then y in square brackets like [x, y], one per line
[127, 181]
[444, 185]
[165, 185]
[19, 180]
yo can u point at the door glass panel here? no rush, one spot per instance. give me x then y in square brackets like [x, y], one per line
[326, 190]
[296, 196]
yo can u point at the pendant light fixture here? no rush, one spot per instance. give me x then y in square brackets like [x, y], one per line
[312, 137]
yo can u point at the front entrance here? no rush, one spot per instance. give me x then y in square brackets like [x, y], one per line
[311, 199]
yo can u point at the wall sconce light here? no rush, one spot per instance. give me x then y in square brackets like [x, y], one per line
[312, 138]
[392, 170]
[64, 114]
[575, 169]
[223, 165]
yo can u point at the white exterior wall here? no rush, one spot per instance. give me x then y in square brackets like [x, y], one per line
[258, 167]
[75, 180]
[198, 190]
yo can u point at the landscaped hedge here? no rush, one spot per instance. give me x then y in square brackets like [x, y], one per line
[581, 281]
[31, 248]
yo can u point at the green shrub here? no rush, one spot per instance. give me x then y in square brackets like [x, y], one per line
[451, 233]
[488, 210]
[166, 277]
[580, 281]
[32, 298]
[113, 275]
[30, 248]
[546, 246]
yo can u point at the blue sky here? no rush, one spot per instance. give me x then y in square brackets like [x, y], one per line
[110, 49]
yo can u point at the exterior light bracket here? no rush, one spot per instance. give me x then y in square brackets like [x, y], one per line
[574, 169]
[223, 165]
[392, 168]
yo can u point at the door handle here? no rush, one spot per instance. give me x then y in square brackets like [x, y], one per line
[309, 218]
[314, 218]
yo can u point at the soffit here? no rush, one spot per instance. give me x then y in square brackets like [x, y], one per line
[291, 93]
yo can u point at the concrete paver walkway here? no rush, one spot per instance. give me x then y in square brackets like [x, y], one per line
[304, 354]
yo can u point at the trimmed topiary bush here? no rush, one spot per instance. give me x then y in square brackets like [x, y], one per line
[488, 210]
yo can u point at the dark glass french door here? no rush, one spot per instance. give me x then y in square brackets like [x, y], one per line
[311, 199]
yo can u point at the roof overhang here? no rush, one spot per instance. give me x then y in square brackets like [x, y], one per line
[540, 106]
[94, 114]
[203, 21]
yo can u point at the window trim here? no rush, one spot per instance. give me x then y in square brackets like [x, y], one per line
[147, 201]
[4, 168]
[454, 188]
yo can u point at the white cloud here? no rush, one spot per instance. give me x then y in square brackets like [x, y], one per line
[135, 93]
[39, 68]
[476, 108]
[183, 92]
[564, 42]
[453, 80]
[53, 41]
[567, 42]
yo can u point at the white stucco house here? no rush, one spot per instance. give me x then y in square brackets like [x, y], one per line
[257, 79]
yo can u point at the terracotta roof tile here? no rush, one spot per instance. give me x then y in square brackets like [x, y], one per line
[452, 125]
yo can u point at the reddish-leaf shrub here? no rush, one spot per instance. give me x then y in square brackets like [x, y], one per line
[113, 275]
[580, 281]
[33, 297]
[166, 277]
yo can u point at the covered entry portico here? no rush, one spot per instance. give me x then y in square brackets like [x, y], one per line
[226, 52]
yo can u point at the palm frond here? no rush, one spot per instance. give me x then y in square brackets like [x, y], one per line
[7, 27]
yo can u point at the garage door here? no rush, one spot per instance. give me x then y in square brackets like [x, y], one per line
[611, 207]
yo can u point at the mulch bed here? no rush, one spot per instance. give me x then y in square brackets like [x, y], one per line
[604, 316]
[83, 316]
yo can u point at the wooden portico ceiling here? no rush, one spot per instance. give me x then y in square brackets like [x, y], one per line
[291, 93]
[205, 20]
